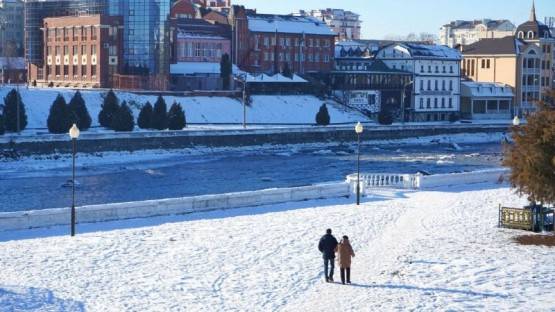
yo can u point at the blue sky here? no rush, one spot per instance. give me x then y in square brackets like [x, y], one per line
[400, 17]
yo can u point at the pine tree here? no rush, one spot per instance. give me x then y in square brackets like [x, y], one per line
[385, 117]
[11, 103]
[532, 156]
[323, 116]
[226, 69]
[78, 112]
[123, 119]
[159, 115]
[59, 120]
[2, 129]
[145, 116]
[176, 117]
[110, 105]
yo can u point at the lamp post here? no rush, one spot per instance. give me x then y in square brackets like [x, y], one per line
[243, 80]
[73, 134]
[358, 130]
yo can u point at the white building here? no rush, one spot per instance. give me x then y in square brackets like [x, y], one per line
[467, 32]
[345, 24]
[436, 78]
[486, 100]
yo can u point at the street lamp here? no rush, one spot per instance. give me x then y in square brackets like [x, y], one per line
[516, 121]
[358, 130]
[244, 82]
[73, 134]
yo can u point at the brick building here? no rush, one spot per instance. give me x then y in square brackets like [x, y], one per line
[79, 52]
[265, 43]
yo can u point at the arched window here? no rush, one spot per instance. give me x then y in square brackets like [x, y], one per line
[521, 34]
[435, 102]
[443, 85]
[530, 35]
[421, 103]
[428, 102]
[442, 102]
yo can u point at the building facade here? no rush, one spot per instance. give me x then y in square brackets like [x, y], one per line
[11, 28]
[435, 78]
[345, 24]
[80, 52]
[198, 47]
[467, 32]
[524, 62]
[485, 100]
[368, 84]
[264, 43]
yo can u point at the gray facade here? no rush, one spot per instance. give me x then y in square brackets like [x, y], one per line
[11, 28]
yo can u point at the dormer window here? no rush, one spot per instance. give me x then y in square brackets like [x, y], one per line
[521, 35]
[530, 35]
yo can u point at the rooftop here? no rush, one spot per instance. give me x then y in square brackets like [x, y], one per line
[288, 24]
[506, 45]
[485, 89]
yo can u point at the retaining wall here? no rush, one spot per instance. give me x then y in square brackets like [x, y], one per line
[99, 213]
[449, 179]
[133, 141]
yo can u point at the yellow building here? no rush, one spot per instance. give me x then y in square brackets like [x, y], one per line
[524, 62]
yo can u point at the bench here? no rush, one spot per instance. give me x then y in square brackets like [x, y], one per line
[535, 218]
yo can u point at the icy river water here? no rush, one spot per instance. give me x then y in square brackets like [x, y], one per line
[178, 175]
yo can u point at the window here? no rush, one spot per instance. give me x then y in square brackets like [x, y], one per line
[436, 84]
[442, 102]
[487, 63]
[58, 69]
[66, 50]
[483, 63]
[421, 85]
[479, 107]
[58, 50]
[437, 69]
[428, 101]
[93, 70]
[66, 70]
[422, 68]
[266, 41]
[326, 58]
[287, 42]
[443, 69]
[421, 103]
[492, 106]
[74, 70]
[429, 85]
[282, 42]
[443, 85]
[75, 50]
[429, 68]
[451, 69]
[521, 34]
[450, 103]
[83, 49]
[530, 35]
[435, 102]
[450, 85]
[84, 70]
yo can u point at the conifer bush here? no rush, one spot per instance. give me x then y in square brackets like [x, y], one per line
[385, 117]
[323, 116]
[159, 119]
[123, 119]
[78, 112]
[110, 106]
[176, 117]
[11, 103]
[59, 120]
[145, 116]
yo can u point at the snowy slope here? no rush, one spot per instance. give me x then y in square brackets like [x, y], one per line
[425, 251]
[265, 109]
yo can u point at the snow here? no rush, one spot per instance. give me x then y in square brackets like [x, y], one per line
[429, 250]
[485, 89]
[275, 78]
[298, 109]
[288, 24]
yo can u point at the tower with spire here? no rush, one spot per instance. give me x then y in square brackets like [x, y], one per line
[532, 30]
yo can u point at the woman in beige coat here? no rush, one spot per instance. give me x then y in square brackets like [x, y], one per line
[344, 253]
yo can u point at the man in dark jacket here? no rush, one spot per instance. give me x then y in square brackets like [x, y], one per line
[327, 248]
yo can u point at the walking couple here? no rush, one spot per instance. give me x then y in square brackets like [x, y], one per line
[328, 246]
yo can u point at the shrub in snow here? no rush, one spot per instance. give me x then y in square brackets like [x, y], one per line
[532, 156]
[123, 119]
[454, 117]
[59, 120]
[176, 117]
[145, 116]
[78, 112]
[2, 130]
[323, 116]
[110, 105]
[225, 71]
[12, 106]
[385, 117]
[159, 118]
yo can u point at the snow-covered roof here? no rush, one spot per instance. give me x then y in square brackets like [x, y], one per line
[288, 24]
[277, 78]
[191, 68]
[485, 89]
[12, 62]
[432, 50]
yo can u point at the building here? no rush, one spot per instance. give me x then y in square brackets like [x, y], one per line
[12, 70]
[80, 52]
[11, 28]
[345, 24]
[217, 5]
[198, 47]
[368, 84]
[485, 100]
[467, 32]
[524, 62]
[435, 78]
[266, 43]
[184, 9]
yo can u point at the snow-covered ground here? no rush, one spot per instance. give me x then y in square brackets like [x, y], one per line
[300, 109]
[429, 250]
